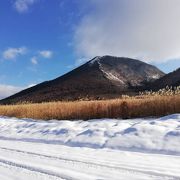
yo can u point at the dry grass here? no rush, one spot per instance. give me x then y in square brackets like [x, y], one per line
[127, 107]
[167, 91]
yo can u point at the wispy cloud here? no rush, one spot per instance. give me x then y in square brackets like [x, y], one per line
[145, 29]
[41, 54]
[80, 61]
[77, 63]
[46, 53]
[34, 60]
[7, 90]
[12, 53]
[22, 6]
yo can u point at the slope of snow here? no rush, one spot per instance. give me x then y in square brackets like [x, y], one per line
[154, 76]
[151, 135]
[109, 75]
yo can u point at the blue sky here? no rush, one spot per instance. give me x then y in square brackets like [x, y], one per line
[42, 39]
[44, 27]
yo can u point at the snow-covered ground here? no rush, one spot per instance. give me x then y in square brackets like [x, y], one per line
[95, 149]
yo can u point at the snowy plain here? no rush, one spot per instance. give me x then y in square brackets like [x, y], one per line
[94, 149]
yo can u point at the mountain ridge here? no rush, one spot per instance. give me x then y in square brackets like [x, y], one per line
[100, 78]
[171, 79]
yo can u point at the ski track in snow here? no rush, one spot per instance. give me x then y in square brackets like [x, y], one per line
[30, 159]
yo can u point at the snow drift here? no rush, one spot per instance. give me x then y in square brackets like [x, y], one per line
[153, 135]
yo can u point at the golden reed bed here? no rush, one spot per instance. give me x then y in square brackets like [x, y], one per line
[127, 107]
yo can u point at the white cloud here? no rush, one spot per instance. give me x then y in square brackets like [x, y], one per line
[46, 53]
[31, 85]
[34, 60]
[22, 6]
[7, 90]
[144, 29]
[12, 53]
[77, 63]
[80, 61]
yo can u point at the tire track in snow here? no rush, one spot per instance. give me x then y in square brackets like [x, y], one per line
[34, 169]
[15, 173]
[77, 163]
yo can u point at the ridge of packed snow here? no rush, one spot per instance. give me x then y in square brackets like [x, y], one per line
[152, 135]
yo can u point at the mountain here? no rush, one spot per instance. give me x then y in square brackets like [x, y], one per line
[171, 79]
[102, 77]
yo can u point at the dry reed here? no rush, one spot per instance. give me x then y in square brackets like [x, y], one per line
[132, 107]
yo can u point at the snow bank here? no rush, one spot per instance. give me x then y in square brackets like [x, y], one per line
[152, 135]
